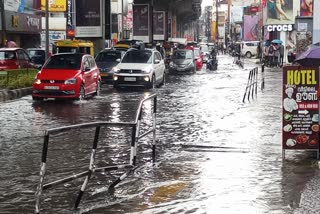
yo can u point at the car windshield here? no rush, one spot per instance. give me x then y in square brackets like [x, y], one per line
[111, 56]
[64, 61]
[36, 52]
[183, 55]
[7, 55]
[137, 56]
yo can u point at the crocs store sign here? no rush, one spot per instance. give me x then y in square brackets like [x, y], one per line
[288, 27]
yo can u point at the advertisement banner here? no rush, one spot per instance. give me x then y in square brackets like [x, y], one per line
[141, 22]
[54, 5]
[14, 5]
[251, 28]
[300, 109]
[158, 25]
[236, 14]
[278, 13]
[306, 7]
[88, 18]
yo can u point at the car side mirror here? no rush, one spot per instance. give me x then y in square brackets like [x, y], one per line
[157, 61]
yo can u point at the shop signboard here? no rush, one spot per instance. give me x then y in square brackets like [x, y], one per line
[21, 22]
[158, 25]
[141, 22]
[88, 18]
[300, 108]
[54, 5]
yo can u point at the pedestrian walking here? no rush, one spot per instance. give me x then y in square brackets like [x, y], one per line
[281, 52]
[271, 55]
[276, 56]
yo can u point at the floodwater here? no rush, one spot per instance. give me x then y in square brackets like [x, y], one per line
[215, 154]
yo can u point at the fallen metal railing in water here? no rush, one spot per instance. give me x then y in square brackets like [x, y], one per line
[131, 166]
[252, 85]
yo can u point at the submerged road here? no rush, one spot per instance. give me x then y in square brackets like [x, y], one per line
[215, 154]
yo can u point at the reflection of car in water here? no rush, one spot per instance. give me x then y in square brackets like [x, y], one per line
[106, 60]
[182, 61]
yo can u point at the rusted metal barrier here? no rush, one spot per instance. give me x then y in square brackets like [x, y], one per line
[252, 85]
[131, 166]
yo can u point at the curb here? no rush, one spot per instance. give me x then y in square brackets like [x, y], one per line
[7, 94]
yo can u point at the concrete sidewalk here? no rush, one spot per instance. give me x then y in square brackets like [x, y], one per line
[6, 94]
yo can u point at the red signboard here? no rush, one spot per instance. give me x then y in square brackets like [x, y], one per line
[300, 126]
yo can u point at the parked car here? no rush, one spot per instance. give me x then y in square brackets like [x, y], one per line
[106, 60]
[182, 61]
[141, 68]
[249, 48]
[38, 56]
[67, 75]
[14, 58]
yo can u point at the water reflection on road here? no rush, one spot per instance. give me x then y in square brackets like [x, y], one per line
[215, 154]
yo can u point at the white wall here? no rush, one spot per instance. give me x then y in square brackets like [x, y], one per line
[316, 21]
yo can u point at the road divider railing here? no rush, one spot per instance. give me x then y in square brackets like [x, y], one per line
[129, 167]
[252, 85]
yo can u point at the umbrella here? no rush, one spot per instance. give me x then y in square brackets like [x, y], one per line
[310, 57]
[276, 41]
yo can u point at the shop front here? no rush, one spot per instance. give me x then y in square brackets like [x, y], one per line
[23, 29]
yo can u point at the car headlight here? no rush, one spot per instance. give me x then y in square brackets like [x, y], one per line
[37, 81]
[70, 81]
[190, 64]
[115, 70]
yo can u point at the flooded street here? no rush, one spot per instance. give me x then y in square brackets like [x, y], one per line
[215, 154]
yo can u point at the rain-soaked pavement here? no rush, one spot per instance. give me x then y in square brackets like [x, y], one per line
[215, 154]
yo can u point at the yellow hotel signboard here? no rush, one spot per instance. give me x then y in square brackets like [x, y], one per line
[54, 5]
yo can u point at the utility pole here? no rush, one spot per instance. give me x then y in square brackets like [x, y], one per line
[217, 16]
[47, 29]
[3, 24]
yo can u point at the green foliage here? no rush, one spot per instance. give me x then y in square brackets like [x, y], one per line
[19, 78]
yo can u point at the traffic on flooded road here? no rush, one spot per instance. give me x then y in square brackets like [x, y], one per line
[214, 153]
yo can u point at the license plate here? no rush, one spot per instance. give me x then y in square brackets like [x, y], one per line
[130, 79]
[51, 87]
[103, 75]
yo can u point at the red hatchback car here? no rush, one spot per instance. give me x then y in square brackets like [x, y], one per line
[67, 75]
[198, 55]
[14, 58]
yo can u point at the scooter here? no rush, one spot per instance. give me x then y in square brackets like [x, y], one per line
[212, 63]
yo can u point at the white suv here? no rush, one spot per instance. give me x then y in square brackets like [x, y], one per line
[142, 68]
[249, 48]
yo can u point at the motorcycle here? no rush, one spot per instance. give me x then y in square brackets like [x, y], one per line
[212, 63]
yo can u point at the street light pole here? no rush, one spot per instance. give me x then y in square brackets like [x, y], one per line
[217, 36]
[47, 29]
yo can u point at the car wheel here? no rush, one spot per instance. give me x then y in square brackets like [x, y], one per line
[248, 54]
[82, 93]
[163, 80]
[152, 84]
[98, 88]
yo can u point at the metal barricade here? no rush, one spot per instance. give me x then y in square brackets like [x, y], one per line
[252, 85]
[131, 166]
